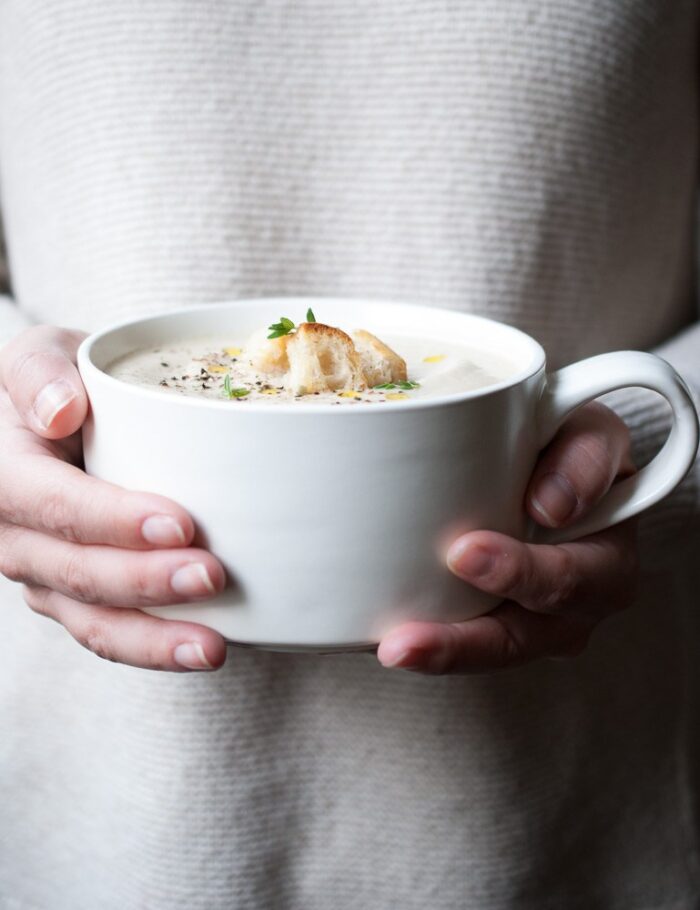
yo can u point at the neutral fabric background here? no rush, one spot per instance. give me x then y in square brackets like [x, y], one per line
[530, 160]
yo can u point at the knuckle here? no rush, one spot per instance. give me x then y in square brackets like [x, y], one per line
[444, 661]
[144, 589]
[154, 657]
[95, 636]
[559, 595]
[36, 598]
[9, 568]
[592, 462]
[13, 355]
[516, 572]
[30, 361]
[511, 650]
[58, 516]
[11, 565]
[75, 579]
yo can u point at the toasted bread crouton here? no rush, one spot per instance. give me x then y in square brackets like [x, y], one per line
[379, 363]
[322, 358]
[268, 355]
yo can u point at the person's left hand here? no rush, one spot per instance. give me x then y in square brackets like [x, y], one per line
[554, 596]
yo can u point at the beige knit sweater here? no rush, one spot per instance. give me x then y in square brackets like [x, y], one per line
[530, 160]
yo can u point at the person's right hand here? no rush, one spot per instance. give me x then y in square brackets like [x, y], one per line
[88, 552]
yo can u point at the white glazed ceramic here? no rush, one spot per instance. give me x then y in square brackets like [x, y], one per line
[331, 521]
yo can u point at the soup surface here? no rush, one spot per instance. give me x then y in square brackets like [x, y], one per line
[217, 367]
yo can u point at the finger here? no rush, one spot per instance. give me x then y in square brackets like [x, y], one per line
[596, 573]
[106, 575]
[579, 466]
[46, 494]
[131, 637]
[38, 370]
[507, 637]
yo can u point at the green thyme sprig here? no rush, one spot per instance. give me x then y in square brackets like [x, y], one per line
[285, 326]
[406, 385]
[234, 393]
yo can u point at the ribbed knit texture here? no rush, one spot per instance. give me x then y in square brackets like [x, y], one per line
[530, 160]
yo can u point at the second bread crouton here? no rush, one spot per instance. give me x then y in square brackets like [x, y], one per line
[379, 363]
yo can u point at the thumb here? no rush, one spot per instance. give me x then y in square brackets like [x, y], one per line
[37, 368]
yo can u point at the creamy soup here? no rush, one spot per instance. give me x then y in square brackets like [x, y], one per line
[217, 368]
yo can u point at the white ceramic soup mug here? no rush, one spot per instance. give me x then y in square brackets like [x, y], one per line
[332, 522]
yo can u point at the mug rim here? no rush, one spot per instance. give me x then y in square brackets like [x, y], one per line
[91, 372]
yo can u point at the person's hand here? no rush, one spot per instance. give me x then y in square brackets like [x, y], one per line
[553, 596]
[89, 552]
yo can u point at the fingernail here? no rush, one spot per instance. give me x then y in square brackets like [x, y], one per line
[192, 580]
[425, 662]
[406, 658]
[190, 654]
[554, 498]
[52, 399]
[399, 659]
[470, 560]
[163, 530]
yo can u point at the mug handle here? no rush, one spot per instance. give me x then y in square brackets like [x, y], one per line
[575, 385]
